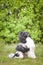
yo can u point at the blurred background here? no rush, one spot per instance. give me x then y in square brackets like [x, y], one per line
[18, 15]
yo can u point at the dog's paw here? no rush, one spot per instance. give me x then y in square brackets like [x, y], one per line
[11, 55]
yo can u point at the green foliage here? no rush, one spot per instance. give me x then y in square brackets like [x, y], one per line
[18, 15]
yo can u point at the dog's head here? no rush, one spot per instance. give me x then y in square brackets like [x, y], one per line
[22, 36]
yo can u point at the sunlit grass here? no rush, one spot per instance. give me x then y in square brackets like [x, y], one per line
[5, 49]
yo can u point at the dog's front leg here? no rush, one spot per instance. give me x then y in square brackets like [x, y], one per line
[19, 54]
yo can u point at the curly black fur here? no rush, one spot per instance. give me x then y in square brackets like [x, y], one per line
[22, 49]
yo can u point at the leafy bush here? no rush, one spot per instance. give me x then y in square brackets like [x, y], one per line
[18, 15]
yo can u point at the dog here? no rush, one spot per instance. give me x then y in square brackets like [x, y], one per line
[26, 46]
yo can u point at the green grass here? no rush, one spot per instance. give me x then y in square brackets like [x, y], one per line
[6, 49]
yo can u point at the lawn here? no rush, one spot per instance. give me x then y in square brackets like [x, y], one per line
[5, 49]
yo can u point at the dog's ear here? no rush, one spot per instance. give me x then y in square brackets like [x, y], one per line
[22, 37]
[20, 34]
